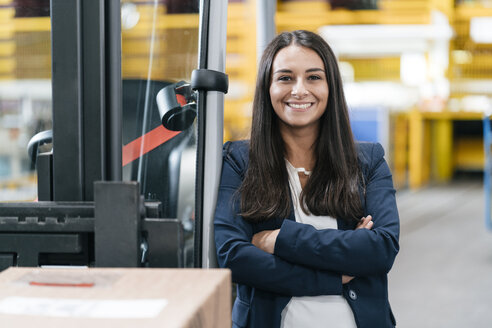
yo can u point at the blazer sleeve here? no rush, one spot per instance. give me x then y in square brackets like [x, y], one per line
[360, 252]
[250, 265]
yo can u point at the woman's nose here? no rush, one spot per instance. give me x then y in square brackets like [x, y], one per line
[299, 89]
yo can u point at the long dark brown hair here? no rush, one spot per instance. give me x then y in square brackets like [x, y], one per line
[332, 189]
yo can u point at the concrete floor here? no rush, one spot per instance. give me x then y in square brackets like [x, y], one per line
[442, 276]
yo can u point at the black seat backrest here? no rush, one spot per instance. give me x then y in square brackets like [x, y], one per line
[159, 168]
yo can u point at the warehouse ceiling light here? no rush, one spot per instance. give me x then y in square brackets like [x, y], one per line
[386, 40]
[480, 29]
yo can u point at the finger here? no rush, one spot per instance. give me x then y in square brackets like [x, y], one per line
[363, 221]
[346, 279]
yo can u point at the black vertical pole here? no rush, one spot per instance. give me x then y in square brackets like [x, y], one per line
[114, 93]
[93, 53]
[68, 152]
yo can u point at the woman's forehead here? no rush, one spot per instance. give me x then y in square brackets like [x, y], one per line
[296, 57]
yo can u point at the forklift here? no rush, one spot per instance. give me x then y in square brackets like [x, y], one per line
[131, 177]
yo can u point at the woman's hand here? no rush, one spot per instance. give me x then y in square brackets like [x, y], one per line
[346, 279]
[265, 240]
[365, 223]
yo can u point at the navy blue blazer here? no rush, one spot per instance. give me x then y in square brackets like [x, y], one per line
[306, 261]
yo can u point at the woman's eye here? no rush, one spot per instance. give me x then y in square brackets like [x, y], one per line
[314, 77]
[284, 78]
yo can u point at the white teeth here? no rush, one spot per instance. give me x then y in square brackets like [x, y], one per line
[300, 106]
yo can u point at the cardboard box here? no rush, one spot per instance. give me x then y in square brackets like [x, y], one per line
[91, 298]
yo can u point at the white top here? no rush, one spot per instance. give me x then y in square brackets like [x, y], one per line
[332, 311]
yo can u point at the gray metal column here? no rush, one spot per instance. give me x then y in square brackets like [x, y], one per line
[67, 81]
[86, 83]
[94, 93]
[213, 138]
[265, 24]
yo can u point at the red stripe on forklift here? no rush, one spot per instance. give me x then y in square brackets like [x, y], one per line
[150, 140]
[146, 143]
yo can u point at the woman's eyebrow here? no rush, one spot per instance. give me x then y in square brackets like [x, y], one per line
[310, 70]
[282, 71]
[315, 70]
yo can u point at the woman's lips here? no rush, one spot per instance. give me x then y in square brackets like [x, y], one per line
[300, 106]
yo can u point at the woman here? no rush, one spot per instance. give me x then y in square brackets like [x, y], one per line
[306, 218]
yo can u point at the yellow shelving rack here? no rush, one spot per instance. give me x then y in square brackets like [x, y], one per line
[470, 74]
[241, 69]
[25, 47]
[169, 56]
[7, 42]
[469, 60]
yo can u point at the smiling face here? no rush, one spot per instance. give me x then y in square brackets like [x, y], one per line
[299, 89]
